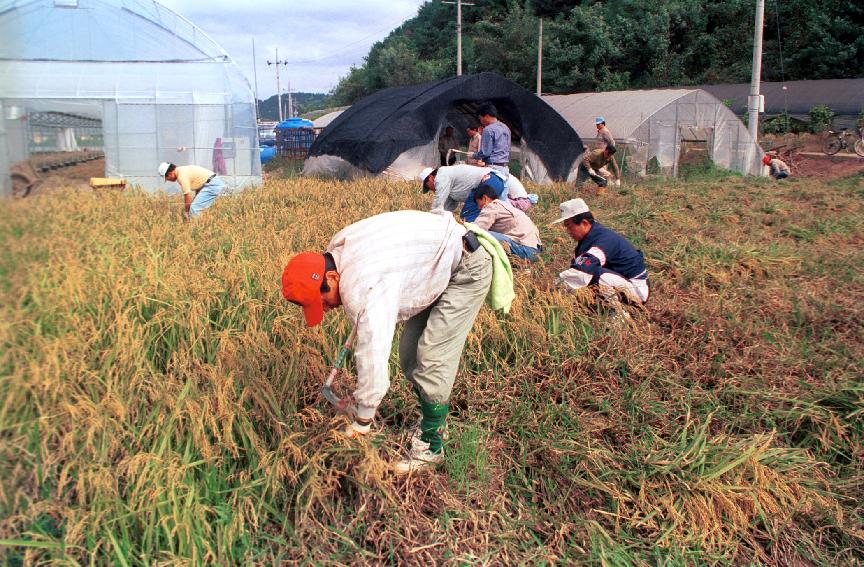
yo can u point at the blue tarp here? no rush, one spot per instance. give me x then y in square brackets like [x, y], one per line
[267, 153]
[292, 123]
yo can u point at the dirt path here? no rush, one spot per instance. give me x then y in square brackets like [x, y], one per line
[819, 165]
[75, 177]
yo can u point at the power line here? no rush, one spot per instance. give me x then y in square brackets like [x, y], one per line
[278, 62]
[346, 47]
[459, 4]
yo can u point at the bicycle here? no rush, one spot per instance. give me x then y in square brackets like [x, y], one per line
[835, 141]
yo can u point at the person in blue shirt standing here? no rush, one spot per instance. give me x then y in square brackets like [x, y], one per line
[602, 257]
[495, 141]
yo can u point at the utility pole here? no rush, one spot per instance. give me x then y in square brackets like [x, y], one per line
[458, 32]
[255, 74]
[540, 60]
[290, 102]
[458, 38]
[278, 88]
[754, 101]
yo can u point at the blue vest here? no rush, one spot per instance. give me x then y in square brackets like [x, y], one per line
[621, 257]
[470, 210]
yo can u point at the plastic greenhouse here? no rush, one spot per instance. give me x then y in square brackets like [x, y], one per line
[156, 87]
[658, 130]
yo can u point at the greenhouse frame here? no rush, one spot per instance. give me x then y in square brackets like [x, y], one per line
[656, 131]
[146, 84]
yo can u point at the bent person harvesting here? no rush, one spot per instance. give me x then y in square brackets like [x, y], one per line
[778, 168]
[192, 178]
[513, 228]
[422, 268]
[595, 160]
[454, 185]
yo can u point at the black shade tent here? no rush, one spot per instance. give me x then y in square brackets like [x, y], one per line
[378, 129]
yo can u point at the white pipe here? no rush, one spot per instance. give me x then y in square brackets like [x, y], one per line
[754, 100]
[278, 89]
[458, 38]
[540, 60]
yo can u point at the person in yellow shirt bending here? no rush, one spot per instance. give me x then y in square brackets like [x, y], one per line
[192, 178]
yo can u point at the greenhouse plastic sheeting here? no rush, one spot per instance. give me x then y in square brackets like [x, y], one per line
[163, 90]
[5, 181]
[100, 30]
[650, 126]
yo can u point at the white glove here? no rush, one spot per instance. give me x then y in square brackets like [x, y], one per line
[356, 430]
[592, 171]
[573, 279]
[617, 183]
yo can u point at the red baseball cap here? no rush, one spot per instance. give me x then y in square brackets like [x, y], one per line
[301, 284]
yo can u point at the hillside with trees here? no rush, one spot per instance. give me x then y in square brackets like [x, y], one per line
[616, 44]
[303, 103]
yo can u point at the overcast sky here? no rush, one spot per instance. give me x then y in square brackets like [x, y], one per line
[320, 39]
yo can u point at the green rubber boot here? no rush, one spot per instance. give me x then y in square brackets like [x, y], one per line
[427, 448]
[432, 424]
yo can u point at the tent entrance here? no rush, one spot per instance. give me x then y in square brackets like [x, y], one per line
[695, 147]
[463, 113]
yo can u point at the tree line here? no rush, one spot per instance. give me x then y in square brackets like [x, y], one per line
[303, 103]
[616, 44]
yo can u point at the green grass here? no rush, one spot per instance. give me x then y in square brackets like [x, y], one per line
[467, 457]
[704, 171]
[159, 399]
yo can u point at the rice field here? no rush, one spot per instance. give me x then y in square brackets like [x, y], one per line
[159, 399]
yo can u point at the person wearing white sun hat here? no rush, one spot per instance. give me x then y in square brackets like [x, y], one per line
[455, 184]
[602, 257]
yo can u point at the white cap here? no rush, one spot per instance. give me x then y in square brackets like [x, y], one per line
[571, 208]
[421, 177]
[163, 168]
